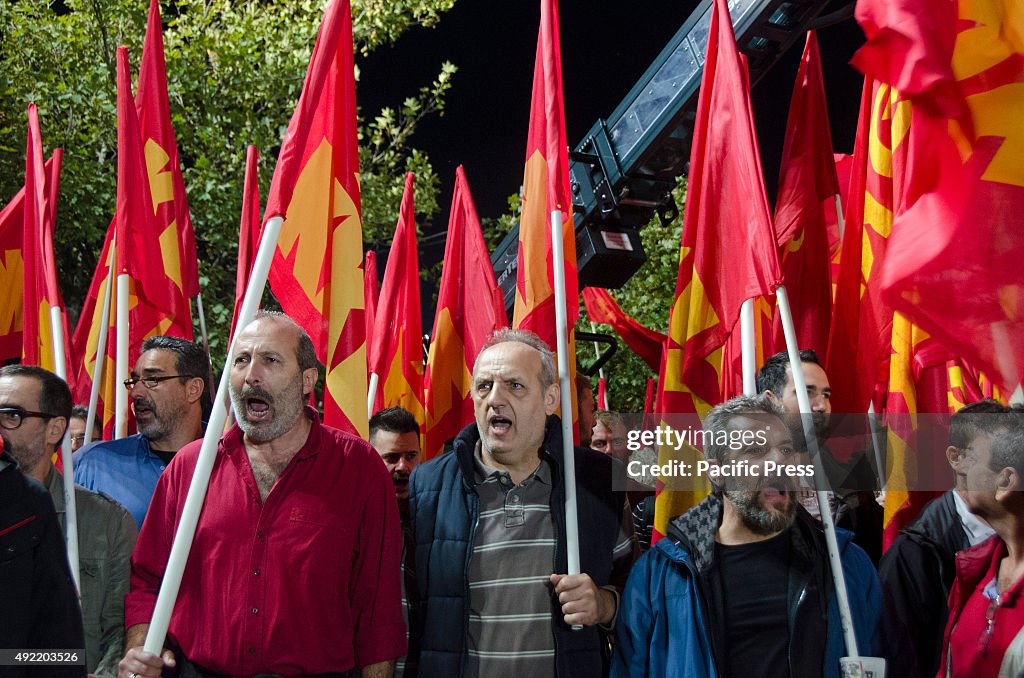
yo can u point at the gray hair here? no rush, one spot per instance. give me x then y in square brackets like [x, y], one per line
[716, 447]
[1007, 432]
[548, 372]
[305, 353]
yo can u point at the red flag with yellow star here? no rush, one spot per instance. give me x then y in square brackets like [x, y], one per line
[316, 273]
[728, 252]
[469, 309]
[395, 349]
[12, 278]
[957, 244]
[177, 238]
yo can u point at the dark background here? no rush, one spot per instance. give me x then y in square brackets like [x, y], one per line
[606, 47]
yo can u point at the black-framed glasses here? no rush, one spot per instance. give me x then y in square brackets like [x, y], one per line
[11, 418]
[152, 382]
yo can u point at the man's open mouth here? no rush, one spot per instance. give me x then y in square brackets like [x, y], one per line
[499, 424]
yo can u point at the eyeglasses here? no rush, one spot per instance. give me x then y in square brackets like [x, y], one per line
[152, 382]
[78, 439]
[11, 418]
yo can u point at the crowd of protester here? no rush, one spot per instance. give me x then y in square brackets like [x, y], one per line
[320, 554]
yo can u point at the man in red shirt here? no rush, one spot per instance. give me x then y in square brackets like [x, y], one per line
[294, 569]
[985, 632]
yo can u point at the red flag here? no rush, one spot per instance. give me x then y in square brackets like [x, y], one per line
[807, 188]
[602, 393]
[861, 329]
[728, 252]
[136, 233]
[12, 278]
[546, 193]
[646, 343]
[371, 293]
[469, 309]
[316, 273]
[40, 290]
[954, 266]
[728, 249]
[248, 230]
[396, 346]
[164, 170]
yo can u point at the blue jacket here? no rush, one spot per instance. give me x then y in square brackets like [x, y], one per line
[445, 510]
[663, 627]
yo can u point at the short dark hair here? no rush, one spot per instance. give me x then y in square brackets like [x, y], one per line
[395, 419]
[974, 419]
[772, 375]
[82, 412]
[305, 352]
[190, 360]
[1008, 440]
[54, 394]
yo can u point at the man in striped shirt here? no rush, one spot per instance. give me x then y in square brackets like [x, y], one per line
[489, 522]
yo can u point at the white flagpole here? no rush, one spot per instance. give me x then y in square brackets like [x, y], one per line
[70, 508]
[838, 578]
[101, 349]
[120, 392]
[371, 393]
[186, 531]
[600, 370]
[839, 215]
[747, 347]
[572, 537]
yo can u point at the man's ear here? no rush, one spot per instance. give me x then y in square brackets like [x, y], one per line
[55, 429]
[309, 379]
[771, 394]
[1008, 482]
[194, 388]
[955, 457]
[552, 399]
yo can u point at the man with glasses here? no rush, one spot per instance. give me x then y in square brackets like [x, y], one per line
[985, 631]
[170, 397]
[35, 406]
[76, 427]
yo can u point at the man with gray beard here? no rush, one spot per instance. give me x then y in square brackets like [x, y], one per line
[741, 586]
[294, 567]
[170, 397]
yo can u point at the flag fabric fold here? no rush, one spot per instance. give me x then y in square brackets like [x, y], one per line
[807, 188]
[469, 308]
[646, 343]
[248, 230]
[956, 244]
[316, 273]
[40, 291]
[395, 349]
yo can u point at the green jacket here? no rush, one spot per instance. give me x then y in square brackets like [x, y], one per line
[106, 537]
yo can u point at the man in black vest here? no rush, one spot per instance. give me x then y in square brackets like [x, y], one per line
[489, 521]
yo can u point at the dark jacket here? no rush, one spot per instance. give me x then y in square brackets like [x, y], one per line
[668, 626]
[918, 572]
[38, 603]
[445, 510]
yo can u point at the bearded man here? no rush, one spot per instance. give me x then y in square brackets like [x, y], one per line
[741, 586]
[294, 568]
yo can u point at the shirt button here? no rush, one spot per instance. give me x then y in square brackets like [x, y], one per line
[259, 535]
[252, 650]
[256, 573]
[255, 610]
